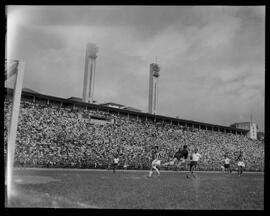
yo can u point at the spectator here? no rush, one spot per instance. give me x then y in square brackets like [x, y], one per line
[48, 136]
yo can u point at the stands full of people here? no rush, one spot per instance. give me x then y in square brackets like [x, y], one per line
[53, 136]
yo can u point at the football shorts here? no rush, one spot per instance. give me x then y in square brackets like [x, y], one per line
[193, 163]
[182, 160]
[156, 162]
[226, 165]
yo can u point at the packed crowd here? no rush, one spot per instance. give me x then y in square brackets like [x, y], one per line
[49, 136]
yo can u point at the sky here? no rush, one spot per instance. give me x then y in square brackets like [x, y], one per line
[211, 58]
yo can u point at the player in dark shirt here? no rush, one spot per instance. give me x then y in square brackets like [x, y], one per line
[181, 155]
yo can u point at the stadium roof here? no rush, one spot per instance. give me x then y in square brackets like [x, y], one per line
[30, 90]
[75, 99]
[113, 104]
[236, 123]
[132, 109]
[120, 106]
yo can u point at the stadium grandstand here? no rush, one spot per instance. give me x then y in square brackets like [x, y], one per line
[57, 132]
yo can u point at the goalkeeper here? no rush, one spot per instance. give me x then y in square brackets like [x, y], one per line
[180, 156]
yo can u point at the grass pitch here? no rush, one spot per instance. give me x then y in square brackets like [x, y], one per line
[60, 188]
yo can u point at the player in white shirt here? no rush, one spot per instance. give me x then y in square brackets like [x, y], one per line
[125, 164]
[240, 163]
[115, 163]
[227, 161]
[156, 157]
[194, 158]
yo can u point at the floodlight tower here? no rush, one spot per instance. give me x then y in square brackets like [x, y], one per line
[89, 72]
[153, 88]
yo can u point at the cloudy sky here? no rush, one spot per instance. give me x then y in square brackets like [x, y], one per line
[212, 59]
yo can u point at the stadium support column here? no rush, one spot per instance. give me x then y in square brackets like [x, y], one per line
[153, 88]
[89, 72]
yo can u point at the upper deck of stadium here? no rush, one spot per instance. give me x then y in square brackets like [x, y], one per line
[68, 103]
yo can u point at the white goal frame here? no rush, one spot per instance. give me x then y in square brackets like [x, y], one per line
[12, 129]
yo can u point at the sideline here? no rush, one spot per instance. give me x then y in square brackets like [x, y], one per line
[119, 170]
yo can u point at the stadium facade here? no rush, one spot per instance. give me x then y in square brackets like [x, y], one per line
[250, 126]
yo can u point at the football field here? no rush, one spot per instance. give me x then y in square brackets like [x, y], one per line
[60, 188]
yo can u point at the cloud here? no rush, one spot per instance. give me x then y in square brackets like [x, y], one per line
[231, 74]
[211, 58]
[166, 46]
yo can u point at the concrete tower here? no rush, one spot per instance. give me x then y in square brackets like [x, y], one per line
[89, 72]
[153, 88]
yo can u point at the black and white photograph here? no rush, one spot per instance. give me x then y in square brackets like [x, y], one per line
[134, 107]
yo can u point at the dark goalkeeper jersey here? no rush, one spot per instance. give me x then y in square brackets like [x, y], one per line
[181, 154]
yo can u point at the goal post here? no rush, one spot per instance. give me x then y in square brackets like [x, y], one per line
[16, 69]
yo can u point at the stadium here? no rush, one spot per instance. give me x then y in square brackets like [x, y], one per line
[65, 148]
[59, 133]
[63, 130]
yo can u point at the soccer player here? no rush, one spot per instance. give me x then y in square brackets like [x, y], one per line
[227, 161]
[194, 158]
[115, 163]
[156, 161]
[240, 163]
[125, 164]
[180, 156]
